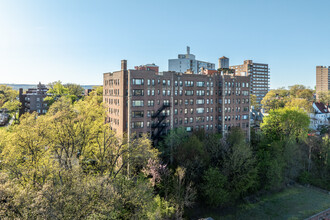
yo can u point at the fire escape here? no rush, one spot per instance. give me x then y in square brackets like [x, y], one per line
[158, 122]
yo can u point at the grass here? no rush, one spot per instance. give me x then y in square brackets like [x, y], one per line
[296, 202]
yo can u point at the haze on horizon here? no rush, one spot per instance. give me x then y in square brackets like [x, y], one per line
[77, 41]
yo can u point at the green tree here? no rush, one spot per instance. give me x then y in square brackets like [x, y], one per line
[285, 122]
[238, 164]
[214, 187]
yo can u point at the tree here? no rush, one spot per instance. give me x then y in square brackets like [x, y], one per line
[7, 94]
[275, 99]
[299, 103]
[214, 187]
[238, 164]
[253, 101]
[285, 122]
[323, 97]
[74, 89]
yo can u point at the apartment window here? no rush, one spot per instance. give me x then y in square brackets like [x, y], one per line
[137, 114]
[189, 92]
[200, 92]
[191, 101]
[186, 101]
[176, 83]
[168, 82]
[148, 92]
[138, 92]
[199, 101]
[148, 82]
[137, 124]
[189, 83]
[168, 92]
[200, 84]
[176, 92]
[153, 82]
[191, 120]
[164, 92]
[137, 103]
[166, 102]
[186, 120]
[151, 102]
[138, 81]
[153, 92]
[186, 111]
[175, 111]
[245, 117]
[191, 111]
[164, 82]
[199, 110]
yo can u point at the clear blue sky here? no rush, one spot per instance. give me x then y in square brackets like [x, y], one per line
[77, 41]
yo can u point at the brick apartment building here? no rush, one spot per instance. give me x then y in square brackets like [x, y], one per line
[259, 73]
[145, 101]
[32, 100]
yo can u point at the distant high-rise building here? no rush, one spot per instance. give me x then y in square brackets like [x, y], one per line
[188, 63]
[259, 73]
[322, 79]
[224, 62]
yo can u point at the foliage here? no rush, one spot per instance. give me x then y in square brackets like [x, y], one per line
[323, 97]
[214, 188]
[7, 94]
[69, 90]
[68, 164]
[285, 122]
[295, 96]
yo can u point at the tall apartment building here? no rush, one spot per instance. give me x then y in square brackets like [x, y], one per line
[259, 73]
[188, 63]
[144, 101]
[322, 79]
[33, 100]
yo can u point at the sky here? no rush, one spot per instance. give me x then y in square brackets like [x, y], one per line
[78, 40]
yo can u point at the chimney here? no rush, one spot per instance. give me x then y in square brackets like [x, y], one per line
[124, 65]
[188, 50]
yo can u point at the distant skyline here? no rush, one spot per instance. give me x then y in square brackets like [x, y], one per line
[77, 41]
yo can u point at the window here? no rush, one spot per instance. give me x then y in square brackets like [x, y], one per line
[189, 83]
[189, 92]
[200, 92]
[168, 82]
[200, 84]
[148, 82]
[137, 114]
[138, 92]
[199, 101]
[151, 102]
[137, 124]
[199, 110]
[138, 81]
[137, 103]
